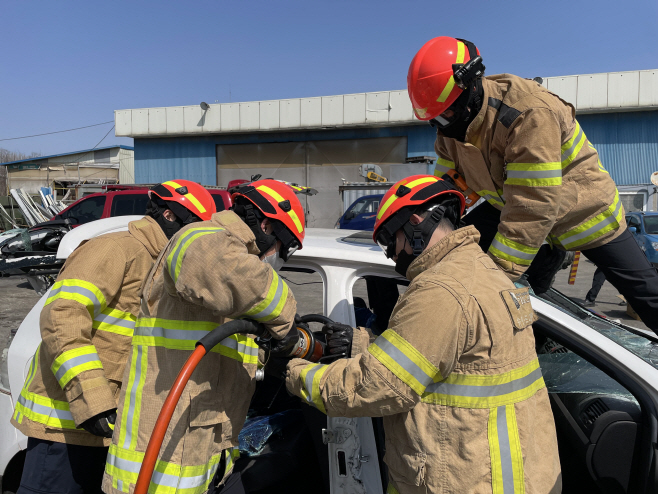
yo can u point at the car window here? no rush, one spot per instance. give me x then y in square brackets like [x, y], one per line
[374, 298]
[651, 225]
[369, 205]
[128, 204]
[633, 221]
[219, 202]
[90, 209]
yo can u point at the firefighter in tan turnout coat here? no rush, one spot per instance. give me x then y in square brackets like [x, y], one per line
[67, 405]
[208, 273]
[455, 376]
[520, 147]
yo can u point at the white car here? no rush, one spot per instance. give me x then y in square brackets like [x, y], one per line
[602, 379]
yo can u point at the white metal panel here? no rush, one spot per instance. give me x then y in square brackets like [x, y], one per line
[269, 115]
[123, 123]
[565, 87]
[230, 115]
[623, 89]
[311, 112]
[354, 109]
[194, 118]
[250, 116]
[377, 106]
[140, 122]
[213, 119]
[332, 110]
[157, 121]
[175, 122]
[592, 91]
[648, 88]
[401, 109]
[289, 113]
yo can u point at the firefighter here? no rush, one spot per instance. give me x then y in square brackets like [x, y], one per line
[67, 407]
[519, 146]
[209, 272]
[464, 403]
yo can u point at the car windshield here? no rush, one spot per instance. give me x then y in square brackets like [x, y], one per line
[651, 224]
[632, 339]
[369, 205]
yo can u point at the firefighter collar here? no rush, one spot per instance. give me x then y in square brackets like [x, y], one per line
[432, 256]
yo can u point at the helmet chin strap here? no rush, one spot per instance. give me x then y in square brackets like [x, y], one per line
[253, 218]
[419, 235]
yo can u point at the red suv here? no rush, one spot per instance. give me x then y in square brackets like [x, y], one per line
[124, 200]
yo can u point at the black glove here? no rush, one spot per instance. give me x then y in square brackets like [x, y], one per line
[339, 340]
[102, 424]
[277, 367]
[284, 347]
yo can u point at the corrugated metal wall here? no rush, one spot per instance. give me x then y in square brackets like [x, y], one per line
[193, 158]
[626, 142]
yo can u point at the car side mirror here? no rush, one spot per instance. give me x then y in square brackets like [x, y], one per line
[350, 215]
[632, 229]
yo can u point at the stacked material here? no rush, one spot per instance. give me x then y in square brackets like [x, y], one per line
[35, 213]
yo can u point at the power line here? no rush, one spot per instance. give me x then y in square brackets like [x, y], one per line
[57, 132]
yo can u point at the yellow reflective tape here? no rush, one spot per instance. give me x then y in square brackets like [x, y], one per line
[410, 185]
[494, 453]
[115, 321]
[310, 391]
[515, 450]
[451, 82]
[391, 488]
[127, 397]
[602, 223]
[189, 196]
[44, 410]
[505, 248]
[271, 292]
[278, 198]
[80, 291]
[138, 398]
[177, 253]
[74, 362]
[405, 361]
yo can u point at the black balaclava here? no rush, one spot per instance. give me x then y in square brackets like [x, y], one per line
[253, 217]
[418, 236]
[466, 108]
[156, 207]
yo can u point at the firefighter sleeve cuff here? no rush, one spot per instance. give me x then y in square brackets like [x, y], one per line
[92, 397]
[512, 270]
[360, 341]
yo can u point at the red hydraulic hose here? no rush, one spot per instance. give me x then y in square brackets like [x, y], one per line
[203, 346]
[153, 448]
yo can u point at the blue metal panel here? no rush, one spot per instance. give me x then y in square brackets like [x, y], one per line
[627, 143]
[191, 158]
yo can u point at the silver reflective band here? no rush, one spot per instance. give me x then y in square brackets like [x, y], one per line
[600, 225]
[275, 300]
[239, 347]
[403, 361]
[181, 244]
[569, 151]
[80, 291]
[534, 173]
[171, 334]
[44, 410]
[505, 450]
[115, 321]
[74, 362]
[133, 396]
[485, 391]
[512, 252]
[308, 384]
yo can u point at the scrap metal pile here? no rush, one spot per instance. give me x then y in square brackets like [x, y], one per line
[31, 251]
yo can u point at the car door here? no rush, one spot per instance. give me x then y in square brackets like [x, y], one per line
[634, 222]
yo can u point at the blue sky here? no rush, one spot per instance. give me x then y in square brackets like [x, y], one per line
[66, 64]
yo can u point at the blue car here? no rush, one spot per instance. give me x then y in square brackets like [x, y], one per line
[644, 227]
[361, 214]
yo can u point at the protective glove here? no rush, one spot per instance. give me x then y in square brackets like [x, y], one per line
[339, 340]
[285, 346]
[277, 367]
[102, 424]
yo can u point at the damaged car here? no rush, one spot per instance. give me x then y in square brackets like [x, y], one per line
[602, 379]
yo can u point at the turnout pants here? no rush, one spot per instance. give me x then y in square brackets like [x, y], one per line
[627, 268]
[59, 468]
[597, 283]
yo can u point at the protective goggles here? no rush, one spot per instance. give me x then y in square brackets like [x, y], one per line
[289, 243]
[386, 242]
[386, 238]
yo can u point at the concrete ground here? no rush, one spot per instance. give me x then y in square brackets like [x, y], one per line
[16, 299]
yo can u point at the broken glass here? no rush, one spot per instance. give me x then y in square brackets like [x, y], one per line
[257, 430]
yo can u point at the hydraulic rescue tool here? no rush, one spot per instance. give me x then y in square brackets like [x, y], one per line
[308, 347]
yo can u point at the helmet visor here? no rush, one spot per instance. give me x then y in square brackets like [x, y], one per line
[446, 118]
[288, 250]
[386, 242]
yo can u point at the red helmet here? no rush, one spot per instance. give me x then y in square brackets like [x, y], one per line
[410, 191]
[192, 196]
[278, 201]
[431, 80]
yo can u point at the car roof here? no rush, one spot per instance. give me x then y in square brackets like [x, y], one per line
[342, 246]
